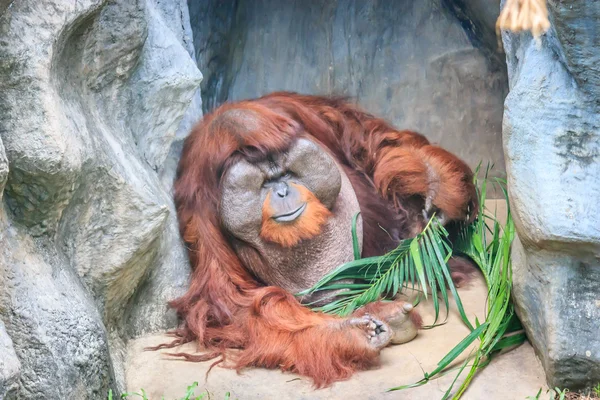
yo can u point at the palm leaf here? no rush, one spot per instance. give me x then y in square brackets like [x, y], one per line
[448, 358]
[502, 327]
[421, 262]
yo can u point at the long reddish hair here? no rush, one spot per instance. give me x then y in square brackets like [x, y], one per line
[225, 306]
[220, 285]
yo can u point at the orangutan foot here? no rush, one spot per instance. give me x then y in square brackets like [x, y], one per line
[399, 316]
[377, 332]
[405, 324]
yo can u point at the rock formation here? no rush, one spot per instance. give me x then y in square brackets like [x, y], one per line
[552, 149]
[93, 94]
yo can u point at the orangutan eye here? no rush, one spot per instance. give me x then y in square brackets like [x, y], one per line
[285, 176]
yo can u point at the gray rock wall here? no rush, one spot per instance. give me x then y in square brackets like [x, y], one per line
[96, 97]
[10, 367]
[428, 65]
[552, 148]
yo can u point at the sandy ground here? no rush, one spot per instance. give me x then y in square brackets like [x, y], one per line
[514, 375]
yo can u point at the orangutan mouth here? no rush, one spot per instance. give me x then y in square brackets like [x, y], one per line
[290, 216]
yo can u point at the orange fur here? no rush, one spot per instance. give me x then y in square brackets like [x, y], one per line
[225, 307]
[426, 171]
[453, 191]
[308, 225]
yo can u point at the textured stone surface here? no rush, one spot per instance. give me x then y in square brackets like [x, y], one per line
[4, 5]
[479, 20]
[94, 93]
[10, 367]
[3, 169]
[417, 63]
[552, 147]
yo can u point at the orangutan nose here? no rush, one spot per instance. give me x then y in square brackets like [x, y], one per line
[281, 189]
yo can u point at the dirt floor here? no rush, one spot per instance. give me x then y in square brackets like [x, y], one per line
[514, 375]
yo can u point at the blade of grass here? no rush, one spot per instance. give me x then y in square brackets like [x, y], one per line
[355, 246]
[451, 356]
[415, 254]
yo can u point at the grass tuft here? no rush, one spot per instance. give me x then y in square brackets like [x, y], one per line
[189, 394]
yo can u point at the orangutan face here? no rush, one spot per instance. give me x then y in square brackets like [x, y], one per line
[282, 200]
[275, 208]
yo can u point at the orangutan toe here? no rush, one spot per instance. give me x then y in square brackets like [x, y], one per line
[377, 332]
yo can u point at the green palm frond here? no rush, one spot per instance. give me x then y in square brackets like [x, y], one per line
[489, 245]
[420, 263]
[417, 263]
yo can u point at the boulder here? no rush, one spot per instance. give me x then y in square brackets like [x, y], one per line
[552, 149]
[94, 95]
